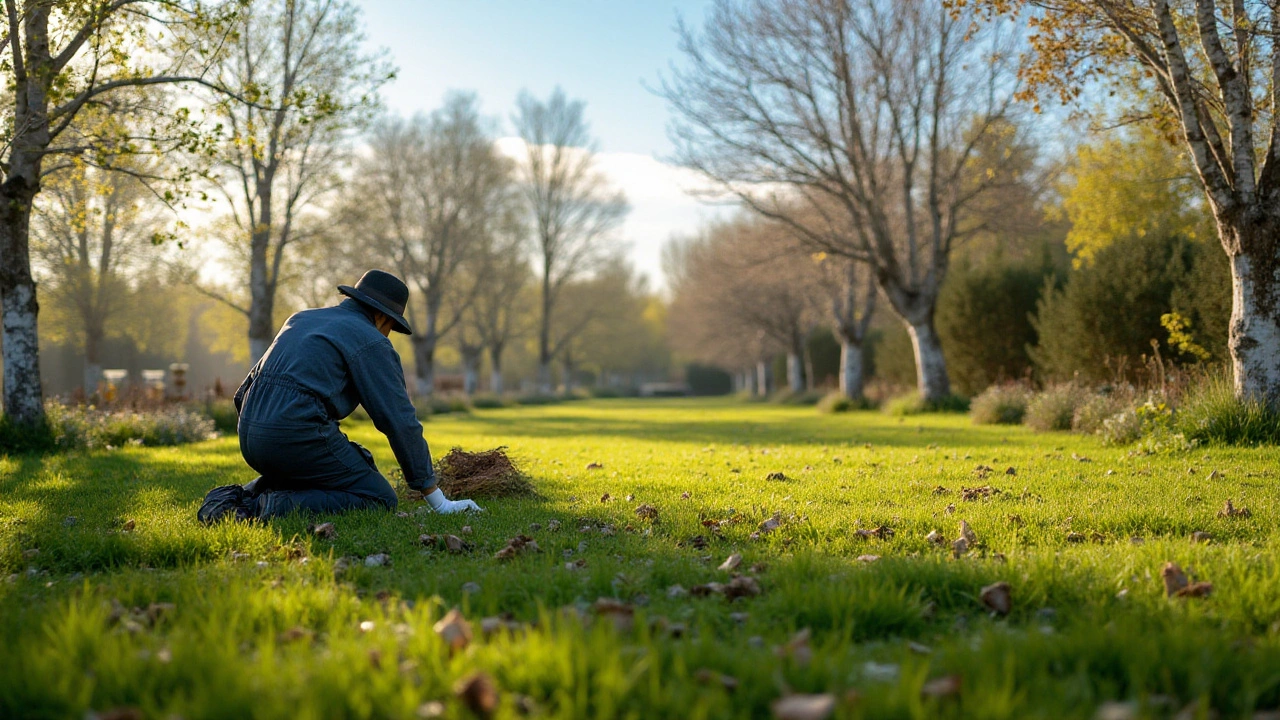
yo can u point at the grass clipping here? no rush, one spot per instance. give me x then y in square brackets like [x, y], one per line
[485, 474]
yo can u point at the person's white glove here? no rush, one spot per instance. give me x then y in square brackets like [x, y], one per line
[445, 506]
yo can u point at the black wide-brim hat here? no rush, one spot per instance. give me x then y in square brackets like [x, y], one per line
[383, 292]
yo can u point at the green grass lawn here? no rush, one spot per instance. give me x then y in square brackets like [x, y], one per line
[255, 621]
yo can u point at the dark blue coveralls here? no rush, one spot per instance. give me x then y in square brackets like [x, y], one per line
[322, 364]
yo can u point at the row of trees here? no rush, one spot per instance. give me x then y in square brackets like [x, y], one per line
[260, 119]
[886, 132]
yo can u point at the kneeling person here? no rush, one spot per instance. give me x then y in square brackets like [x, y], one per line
[322, 364]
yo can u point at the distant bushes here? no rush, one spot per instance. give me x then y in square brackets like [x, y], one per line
[1000, 405]
[87, 427]
[1188, 408]
[913, 404]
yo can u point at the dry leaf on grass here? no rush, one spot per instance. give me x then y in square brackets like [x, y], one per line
[324, 530]
[647, 512]
[1075, 537]
[1200, 536]
[622, 614]
[1230, 511]
[449, 543]
[977, 493]
[1174, 579]
[935, 538]
[967, 533]
[516, 546]
[731, 563]
[478, 693]
[377, 560]
[880, 533]
[772, 523]
[742, 586]
[454, 630]
[868, 558]
[776, 476]
[595, 466]
[997, 598]
[1196, 590]
[959, 547]
[486, 474]
[804, 707]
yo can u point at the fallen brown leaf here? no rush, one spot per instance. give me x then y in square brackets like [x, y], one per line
[324, 530]
[622, 614]
[595, 466]
[997, 598]
[776, 476]
[935, 538]
[731, 563]
[959, 547]
[967, 533]
[797, 648]
[454, 630]
[478, 693]
[647, 512]
[742, 586]
[1200, 536]
[1196, 590]
[517, 545]
[1230, 511]
[1174, 579]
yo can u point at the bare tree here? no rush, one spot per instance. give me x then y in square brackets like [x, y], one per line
[302, 85]
[851, 292]
[91, 227]
[497, 315]
[433, 191]
[61, 59]
[574, 209]
[865, 114]
[747, 294]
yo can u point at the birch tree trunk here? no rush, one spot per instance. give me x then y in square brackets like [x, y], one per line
[1255, 326]
[762, 378]
[931, 366]
[23, 394]
[92, 360]
[495, 368]
[470, 372]
[851, 380]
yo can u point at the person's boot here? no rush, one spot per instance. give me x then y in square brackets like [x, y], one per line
[226, 500]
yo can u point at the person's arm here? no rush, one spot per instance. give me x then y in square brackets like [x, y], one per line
[379, 380]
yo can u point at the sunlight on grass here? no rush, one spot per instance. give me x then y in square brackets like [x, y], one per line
[266, 622]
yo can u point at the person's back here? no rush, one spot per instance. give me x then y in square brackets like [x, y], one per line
[321, 365]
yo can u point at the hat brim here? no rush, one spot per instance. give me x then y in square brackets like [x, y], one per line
[397, 320]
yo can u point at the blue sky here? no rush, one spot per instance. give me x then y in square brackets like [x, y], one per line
[600, 51]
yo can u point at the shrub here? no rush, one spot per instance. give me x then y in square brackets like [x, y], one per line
[445, 404]
[1094, 410]
[1211, 413]
[983, 318]
[1054, 408]
[913, 404]
[789, 397]
[1123, 428]
[1111, 308]
[488, 402]
[88, 427]
[1000, 405]
[223, 413]
[837, 402]
[707, 380]
[17, 438]
[538, 399]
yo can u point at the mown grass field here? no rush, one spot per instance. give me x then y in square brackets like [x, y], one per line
[259, 624]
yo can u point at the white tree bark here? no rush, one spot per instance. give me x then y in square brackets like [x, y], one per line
[1255, 332]
[495, 382]
[762, 378]
[851, 369]
[23, 396]
[931, 366]
[795, 373]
